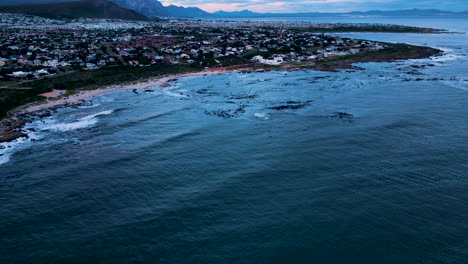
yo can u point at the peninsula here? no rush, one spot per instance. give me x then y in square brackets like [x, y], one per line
[44, 58]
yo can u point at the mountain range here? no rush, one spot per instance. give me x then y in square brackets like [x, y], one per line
[134, 9]
[148, 8]
[75, 9]
[394, 13]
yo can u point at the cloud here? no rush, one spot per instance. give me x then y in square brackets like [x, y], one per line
[298, 6]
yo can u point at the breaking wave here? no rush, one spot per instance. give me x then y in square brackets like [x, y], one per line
[263, 116]
[84, 122]
[8, 148]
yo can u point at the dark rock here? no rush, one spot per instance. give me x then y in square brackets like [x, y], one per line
[292, 105]
[12, 136]
[46, 114]
[227, 114]
[414, 72]
[241, 97]
[11, 129]
[289, 84]
[202, 91]
[342, 115]
[321, 77]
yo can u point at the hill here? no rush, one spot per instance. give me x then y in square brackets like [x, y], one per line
[148, 8]
[76, 9]
[373, 13]
[152, 8]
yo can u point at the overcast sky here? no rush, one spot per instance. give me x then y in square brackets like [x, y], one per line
[294, 6]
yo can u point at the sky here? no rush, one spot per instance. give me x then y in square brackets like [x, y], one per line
[296, 6]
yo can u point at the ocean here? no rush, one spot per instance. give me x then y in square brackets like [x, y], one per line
[356, 166]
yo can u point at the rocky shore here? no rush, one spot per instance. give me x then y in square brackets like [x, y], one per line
[12, 128]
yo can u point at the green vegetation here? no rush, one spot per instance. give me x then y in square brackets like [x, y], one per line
[392, 52]
[252, 53]
[225, 61]
[367, 28]
[85, 80]
[12, 98]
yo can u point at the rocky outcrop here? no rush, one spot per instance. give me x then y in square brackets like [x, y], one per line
[292, 105]
[11, 129]
[227, 114]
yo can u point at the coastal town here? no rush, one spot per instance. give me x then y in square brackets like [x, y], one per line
[33, 47]
[48, 58]
[237, 132]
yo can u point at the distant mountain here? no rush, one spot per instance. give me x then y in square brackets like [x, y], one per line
[76, 9]
[153, 8]
[26, 2]
[178, 11]
[243, 13]
[396, 13]
[410, 13]
[149, 8]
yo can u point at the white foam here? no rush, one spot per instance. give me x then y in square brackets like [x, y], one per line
[8, 148]
[447, 55]
[71, 126]
[107, 112]
[263, 116]
[47, 124]
[4, 159]
[457, 84]
[84, 122]
[168, 92]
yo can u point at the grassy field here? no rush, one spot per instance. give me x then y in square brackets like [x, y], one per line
[85, 80]
[392, 52]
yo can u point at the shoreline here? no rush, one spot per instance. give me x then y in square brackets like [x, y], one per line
[57, 99]
[80, 96]
[11, 127]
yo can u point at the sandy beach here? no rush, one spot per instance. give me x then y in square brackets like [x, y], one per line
[10, 129]
[55, 100]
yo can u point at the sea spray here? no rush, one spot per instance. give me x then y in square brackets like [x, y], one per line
[84, 122]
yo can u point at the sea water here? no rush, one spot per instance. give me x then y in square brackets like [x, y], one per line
[356, 166]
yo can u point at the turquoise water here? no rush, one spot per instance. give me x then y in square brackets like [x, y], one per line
[359, 166]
